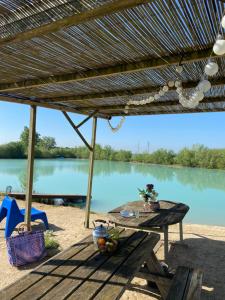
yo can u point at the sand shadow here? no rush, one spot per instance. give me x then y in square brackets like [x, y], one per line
[207, 255]
[41, 226]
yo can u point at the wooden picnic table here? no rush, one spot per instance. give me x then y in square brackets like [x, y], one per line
[81, 272]
[169, 213]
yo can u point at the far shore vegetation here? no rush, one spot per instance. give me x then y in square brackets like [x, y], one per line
[197, 156]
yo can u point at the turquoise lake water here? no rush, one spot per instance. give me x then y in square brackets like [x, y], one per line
[116, 183]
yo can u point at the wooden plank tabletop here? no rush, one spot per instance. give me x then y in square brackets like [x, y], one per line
[81, 272]
[169, 213]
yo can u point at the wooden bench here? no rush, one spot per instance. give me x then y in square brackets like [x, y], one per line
[81, 272]
[186, 285]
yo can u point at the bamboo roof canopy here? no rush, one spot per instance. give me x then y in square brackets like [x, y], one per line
[96, 55]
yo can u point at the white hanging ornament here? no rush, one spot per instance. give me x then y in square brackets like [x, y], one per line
[179, 90]
[223, 22]
[165, 88]
[192, 104]
[179, 69]
[161, 92]
[197, 96]
[156, 97]
[171, 83]
[219, 46]
[204, 86]
[150, 99]
[178, 83]
[211, 68]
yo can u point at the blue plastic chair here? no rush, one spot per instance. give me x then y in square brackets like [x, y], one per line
[14, 215]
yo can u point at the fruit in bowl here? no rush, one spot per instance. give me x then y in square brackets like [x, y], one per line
[101, 242]
[108, 244]
[111, 245]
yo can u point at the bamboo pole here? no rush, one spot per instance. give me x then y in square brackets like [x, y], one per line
[75, 19]
[30, 166]
[90, 176]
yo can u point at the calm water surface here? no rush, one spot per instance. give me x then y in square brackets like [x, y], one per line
[116, 183]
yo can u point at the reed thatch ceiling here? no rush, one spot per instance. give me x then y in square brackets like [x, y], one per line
[84, 55]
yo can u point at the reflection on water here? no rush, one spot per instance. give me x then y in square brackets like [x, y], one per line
[117, 182]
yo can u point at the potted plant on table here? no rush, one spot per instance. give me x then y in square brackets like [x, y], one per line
[149, 195]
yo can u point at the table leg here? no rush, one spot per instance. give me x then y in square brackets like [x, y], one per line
[166, 242]
[181, 231]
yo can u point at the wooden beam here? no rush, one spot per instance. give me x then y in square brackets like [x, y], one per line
[106, 108]
[90, 176]
[30, 166]
[183, 110]
[123, 93]
[86, 119]
[147, 64]
[77, 130]
[75, 19]
[38, 103]
[50, 106]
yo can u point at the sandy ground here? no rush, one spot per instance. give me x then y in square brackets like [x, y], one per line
[204, 247]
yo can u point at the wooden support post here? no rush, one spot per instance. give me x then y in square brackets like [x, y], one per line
[181, 231]
[30, 166]
[90, 176]
[166, 242]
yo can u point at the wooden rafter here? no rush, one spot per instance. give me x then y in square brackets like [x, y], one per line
[123, 93]
[38, 103]
[86, 119]
[51, 106]
[95, 13]
[146, 64]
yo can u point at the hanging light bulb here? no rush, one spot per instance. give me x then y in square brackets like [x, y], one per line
[179, 90]
[150, 99]
[219, 46]
[211, 68]
[171, 83]
[204, 86]
[178, 83]
[179, 69]
[223, 22]
[197, 96]
[161, 92]
[192, 104]
[165, 88]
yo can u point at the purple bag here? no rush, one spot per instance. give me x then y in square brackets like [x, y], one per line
[25, 248]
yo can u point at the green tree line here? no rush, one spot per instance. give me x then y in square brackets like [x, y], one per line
[45, 147]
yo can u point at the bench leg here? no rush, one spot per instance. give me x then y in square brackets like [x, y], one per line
[166, 242]
[181, 231]
[155, 267]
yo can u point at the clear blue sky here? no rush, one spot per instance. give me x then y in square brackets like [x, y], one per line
[167, 131]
